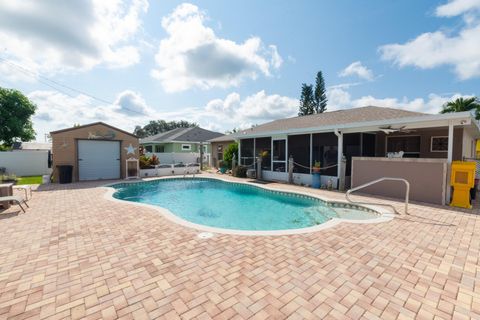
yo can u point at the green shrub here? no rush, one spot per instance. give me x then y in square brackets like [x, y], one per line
[144, 162]
[240, 172]
[230, 150]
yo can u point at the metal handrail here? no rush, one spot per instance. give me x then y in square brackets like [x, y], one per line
[407, 192]
[186, 171]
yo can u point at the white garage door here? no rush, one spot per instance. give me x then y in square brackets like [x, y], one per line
[98, 159]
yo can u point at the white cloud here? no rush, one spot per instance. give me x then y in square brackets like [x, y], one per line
[433, 49]
[132, 103]
[193, 56]
[54, 36]
[357, 69]
[339, 98]
[457, 7]
[57, 111]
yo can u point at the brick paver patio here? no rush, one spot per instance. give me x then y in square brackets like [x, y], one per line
[76, 255]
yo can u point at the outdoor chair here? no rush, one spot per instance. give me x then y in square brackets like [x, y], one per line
[26, 188]
[17, 200]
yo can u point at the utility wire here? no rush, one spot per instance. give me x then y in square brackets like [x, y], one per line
[47, 81]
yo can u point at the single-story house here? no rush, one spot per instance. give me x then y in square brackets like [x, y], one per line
[95, 151]
[219, 145]
[371, 140]
[180, 145]
[32, 146]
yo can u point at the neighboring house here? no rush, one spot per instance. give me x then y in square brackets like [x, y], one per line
[362, 136]
[180, 145]
[32, 146]
[219, 145]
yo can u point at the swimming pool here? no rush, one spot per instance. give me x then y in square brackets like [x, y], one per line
[237, 206]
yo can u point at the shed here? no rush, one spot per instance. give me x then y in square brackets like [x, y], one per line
[96, 151]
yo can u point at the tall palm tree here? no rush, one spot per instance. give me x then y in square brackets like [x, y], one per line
[463, 104]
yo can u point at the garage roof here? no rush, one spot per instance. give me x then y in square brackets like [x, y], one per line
[94, 124]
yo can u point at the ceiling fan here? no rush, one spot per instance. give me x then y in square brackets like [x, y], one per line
[390, 129]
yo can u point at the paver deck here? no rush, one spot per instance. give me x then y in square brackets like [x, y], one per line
[76, 255]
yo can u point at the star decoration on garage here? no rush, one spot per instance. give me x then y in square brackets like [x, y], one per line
[130, 149]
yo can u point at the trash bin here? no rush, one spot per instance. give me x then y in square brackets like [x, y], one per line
[65, 173]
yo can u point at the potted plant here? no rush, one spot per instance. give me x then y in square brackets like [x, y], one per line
[11, 178]
[222, 166]
[316, 167]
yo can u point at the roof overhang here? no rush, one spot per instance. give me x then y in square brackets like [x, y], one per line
[418, 122]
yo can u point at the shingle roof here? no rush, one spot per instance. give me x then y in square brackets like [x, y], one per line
[93, 124]
[193, 134]
[362, 114]
[226, 137]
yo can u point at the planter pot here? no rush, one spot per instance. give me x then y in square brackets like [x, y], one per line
[315, 170]
[316, 182]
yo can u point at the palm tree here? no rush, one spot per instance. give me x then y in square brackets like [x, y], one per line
[463, 104]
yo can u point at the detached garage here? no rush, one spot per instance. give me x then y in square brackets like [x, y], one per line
[96, 151]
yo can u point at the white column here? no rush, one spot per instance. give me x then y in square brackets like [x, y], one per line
[449, 161]
[340, 164]
[450, 143]
[340, 152]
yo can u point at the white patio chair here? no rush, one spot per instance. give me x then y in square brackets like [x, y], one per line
[19, 201]
[26, 188]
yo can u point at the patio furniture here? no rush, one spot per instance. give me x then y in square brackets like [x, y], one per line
[6, 190]
[26, 188]
[16, 200]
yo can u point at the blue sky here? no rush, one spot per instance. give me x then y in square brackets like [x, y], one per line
[228, 64]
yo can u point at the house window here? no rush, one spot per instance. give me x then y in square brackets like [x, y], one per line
[220, 152]
[186, 147]
[410, 145]
[148, 148]
[160, 149]
[439, 144]
[205, 148]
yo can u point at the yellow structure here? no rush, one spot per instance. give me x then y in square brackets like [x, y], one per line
[462, 180]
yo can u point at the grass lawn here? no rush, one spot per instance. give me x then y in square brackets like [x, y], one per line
[29, 180]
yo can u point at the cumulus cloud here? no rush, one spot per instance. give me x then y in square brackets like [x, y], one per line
[132, 103]
[340, 98]
[54, 36]
[57, 110]
[357, 69]
[457, 7]
[193, 56]
[433, 49]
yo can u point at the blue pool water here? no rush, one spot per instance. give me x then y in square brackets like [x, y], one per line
[237, 206]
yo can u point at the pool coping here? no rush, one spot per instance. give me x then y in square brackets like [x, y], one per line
[384, 215]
